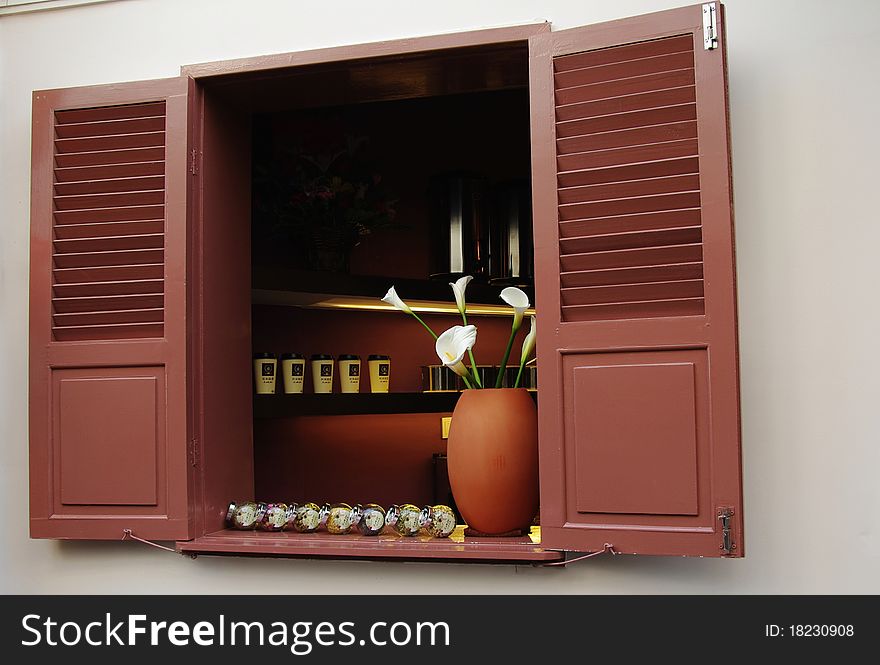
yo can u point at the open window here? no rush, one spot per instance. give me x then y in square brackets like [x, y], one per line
[615, 136]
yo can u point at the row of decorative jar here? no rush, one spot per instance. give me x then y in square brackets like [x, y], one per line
[340, 518]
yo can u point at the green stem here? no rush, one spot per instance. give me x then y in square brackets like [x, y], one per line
[427, 327]
[503, 367]
[519, 374]
[474, 372]
[466, 382]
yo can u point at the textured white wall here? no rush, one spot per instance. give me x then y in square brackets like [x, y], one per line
[804, 104]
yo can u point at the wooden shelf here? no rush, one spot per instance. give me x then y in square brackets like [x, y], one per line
[335, 404]
[276, 285]
[485, 549]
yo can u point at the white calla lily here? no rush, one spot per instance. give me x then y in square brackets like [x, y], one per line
[529, 342]
[394, 300]
[458, 288]
[453, 344]
[517, 299]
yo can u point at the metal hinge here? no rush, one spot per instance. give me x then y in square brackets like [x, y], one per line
[725, 516]
[194, 161]
[710, 26]
[194, 452]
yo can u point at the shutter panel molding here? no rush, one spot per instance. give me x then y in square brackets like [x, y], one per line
[109, 331]
[635, 280]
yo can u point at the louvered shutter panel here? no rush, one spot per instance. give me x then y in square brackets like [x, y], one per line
[638, 408]
[108, 391]
[109, 222]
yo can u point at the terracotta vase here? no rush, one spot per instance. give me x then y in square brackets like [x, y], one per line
[493, 459]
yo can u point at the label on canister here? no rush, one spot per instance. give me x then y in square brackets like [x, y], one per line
[349, 373]
[293, 370]
[380, 373]
[264, 374]
[322, 373]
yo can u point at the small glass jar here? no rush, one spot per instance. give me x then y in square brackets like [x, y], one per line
[439, 520]
[371, 519]
[405, 519]
[339, 518]
[274, 517]
[304, 518]
[244, 516]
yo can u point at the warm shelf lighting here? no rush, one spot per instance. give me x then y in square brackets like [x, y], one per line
[357, 303]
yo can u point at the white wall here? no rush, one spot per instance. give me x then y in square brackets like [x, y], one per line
[804, 106]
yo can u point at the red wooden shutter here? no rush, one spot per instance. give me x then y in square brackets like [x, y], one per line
[108, 380]
[639, 406]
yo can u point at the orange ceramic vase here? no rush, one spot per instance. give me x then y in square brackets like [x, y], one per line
[493, 459]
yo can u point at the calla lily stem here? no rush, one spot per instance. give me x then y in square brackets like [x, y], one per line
[503, 367]
[427, 327]
[474, 371]
[519, 375]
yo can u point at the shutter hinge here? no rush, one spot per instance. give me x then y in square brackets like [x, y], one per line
[725, 516]
[194, 161]
[710, 26]
[194, 452]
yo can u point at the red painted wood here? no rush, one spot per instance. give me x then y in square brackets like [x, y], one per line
[108, 407]
[485, 549]
[639, 401]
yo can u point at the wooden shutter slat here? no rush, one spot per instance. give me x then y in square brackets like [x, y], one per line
[625, 156]
[625, 69]
[109, 229]
[119, 287]
[110, 127]
[628, 86]
[627, 206]
[99, 113]
[110, 243]
[647, 221]
[107, 157]
[639, 136]
[117, 214]
[625, 293]
[626, 120]
[108, 171]
[611, 241]
[644, 170]
[112, 258]
[103, 303]
[111, 200]
[643, 256]
[623, 53]
[153, 315]
[613, 276]
[114, 142]
[625, 103]
[630, 310]
[107, 332]
[97, 186]
[630, 188]
[108, 273]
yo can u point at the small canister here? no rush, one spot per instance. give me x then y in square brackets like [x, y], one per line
[371, 519]
[349, 373]
[322, 373]
[405, 519]
[293, 370]
[380, 373]
[244, 516]
[439, 520]
[264, 373]
[274, 517]
[303, 518]
[339, 518]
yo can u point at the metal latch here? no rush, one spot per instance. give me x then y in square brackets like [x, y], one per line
[725, 515]
[710, 26]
